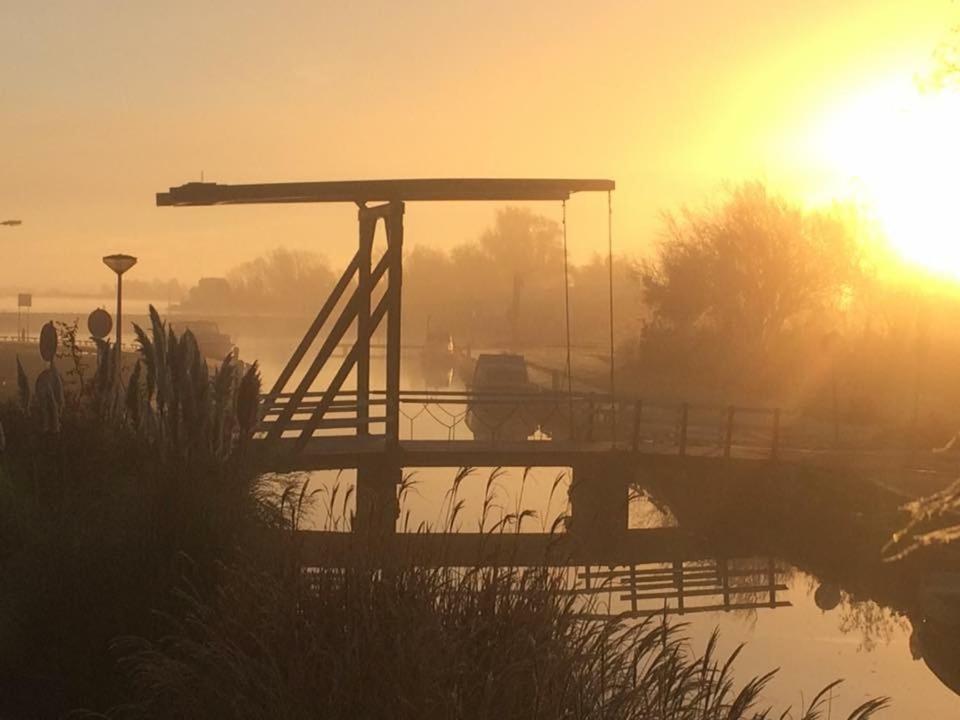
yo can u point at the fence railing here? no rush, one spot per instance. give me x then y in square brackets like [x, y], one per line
[82, 343]
[641, 425]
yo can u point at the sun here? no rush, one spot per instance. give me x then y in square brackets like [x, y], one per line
[898, 149]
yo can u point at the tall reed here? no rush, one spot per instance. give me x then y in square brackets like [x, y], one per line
[406, 641]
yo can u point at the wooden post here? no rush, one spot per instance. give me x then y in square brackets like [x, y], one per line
[772, 570]
[394, 225]
[591, 411]
[725, 581]
[368, 226]
[377, 502]
[599, 504]
[728, 440]
[775, 444]
[684, 413]
[637, 418]
[678, 582]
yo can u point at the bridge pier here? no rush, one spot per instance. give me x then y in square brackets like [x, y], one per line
[599, 503]
[378, 507]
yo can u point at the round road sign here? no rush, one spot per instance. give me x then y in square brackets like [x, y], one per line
[99, 323]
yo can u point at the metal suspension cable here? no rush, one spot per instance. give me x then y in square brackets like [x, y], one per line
[610, 268]
[566, 308]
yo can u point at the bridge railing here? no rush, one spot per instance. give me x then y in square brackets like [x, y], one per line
[658, 427]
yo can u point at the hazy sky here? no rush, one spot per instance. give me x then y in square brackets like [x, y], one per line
[102, 104]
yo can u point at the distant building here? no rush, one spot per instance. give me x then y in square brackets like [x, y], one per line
[210, 295]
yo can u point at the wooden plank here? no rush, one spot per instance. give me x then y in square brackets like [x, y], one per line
[368, 228]
[393, 296]
[704, 592]
[688, 611]
[644, 575]
[306, 407]
[328, 423]
[364, 191]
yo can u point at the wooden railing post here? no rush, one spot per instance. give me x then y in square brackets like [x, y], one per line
[728, 439]
[637, 418]
[775, 442]
[591, 411]
[684, 413]
[393, 295]
[678, 581]
[368, 227]
[725, 580]
[772, 580]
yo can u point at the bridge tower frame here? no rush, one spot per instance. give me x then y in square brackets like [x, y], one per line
[360, 310]
[368, 317]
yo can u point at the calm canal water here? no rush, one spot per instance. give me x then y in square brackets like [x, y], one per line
[867, 645]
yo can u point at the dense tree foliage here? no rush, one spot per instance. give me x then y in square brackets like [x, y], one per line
[506, 288]
[744, 293]
[750, 270]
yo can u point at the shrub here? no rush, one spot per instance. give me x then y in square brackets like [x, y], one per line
[102, 500]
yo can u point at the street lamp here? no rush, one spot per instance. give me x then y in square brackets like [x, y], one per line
[119, 264]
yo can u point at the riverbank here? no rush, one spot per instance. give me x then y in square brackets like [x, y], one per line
[835, 528]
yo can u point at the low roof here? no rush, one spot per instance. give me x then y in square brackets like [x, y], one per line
[363, 191]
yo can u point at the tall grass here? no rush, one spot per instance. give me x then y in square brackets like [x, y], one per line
[409, 641]
[107, 499]
[429, 643]
[137, 514]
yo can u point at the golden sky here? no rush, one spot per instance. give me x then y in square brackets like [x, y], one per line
[102, 104]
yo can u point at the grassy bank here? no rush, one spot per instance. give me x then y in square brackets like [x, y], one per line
[838, 527]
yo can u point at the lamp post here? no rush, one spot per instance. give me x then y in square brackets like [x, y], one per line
[119, 264]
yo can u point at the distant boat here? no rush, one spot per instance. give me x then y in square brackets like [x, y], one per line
[500, 416]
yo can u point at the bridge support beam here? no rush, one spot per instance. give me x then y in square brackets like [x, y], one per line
[378, 481]
[599, 503]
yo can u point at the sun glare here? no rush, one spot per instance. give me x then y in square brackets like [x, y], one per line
[899, 149]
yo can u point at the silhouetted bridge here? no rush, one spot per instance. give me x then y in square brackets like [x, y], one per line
[311, 420]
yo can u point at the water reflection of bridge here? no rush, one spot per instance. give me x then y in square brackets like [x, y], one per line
[642, 573]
